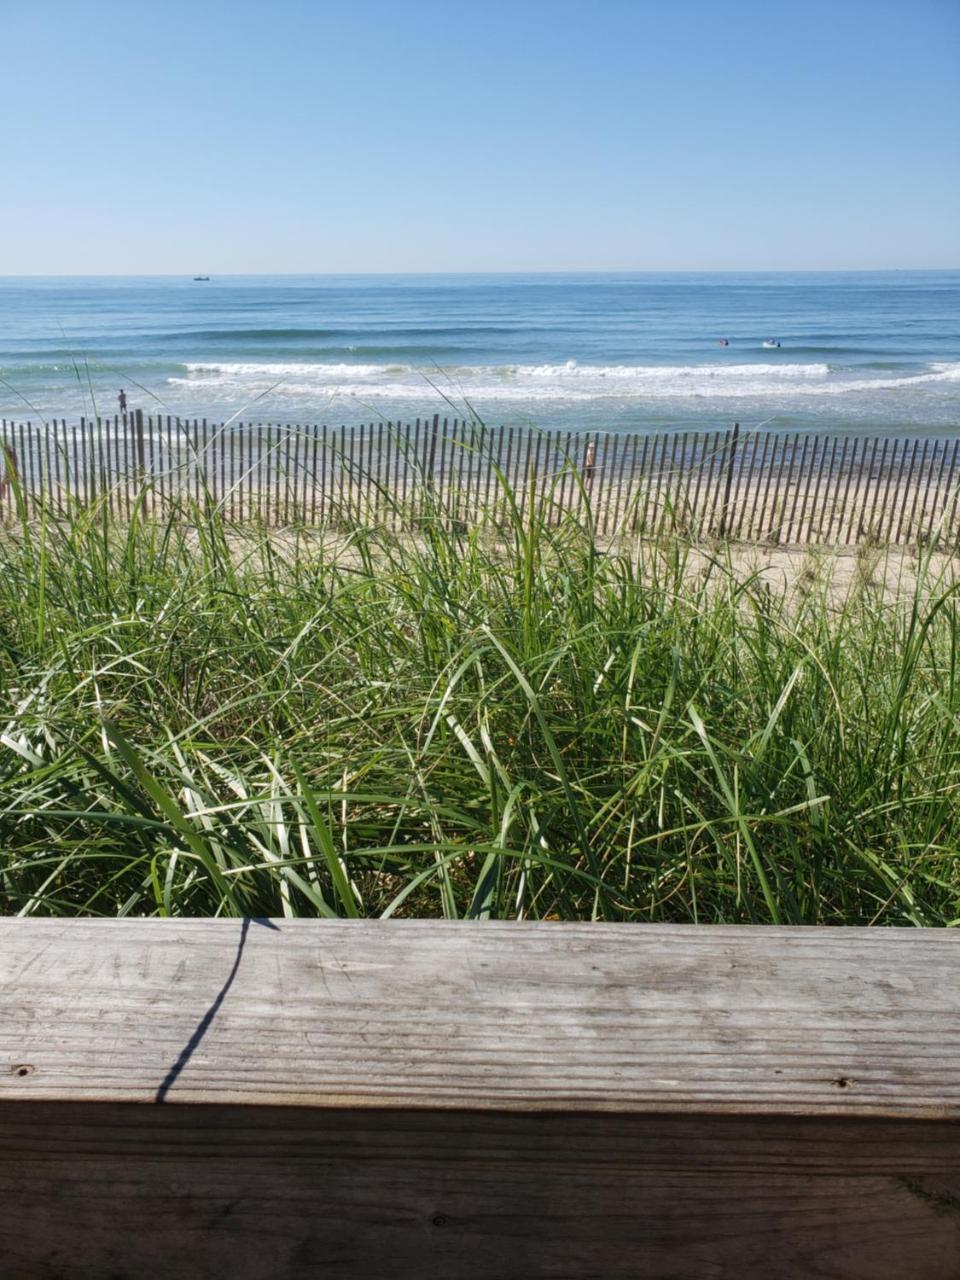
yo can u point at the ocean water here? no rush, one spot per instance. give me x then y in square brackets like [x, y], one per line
[877, 352]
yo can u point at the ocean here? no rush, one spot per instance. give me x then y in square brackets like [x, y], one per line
[859, 352]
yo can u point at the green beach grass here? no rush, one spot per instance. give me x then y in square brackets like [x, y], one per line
[506, 721]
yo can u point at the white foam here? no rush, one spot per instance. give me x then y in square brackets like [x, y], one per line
[541, 382]
[294, 370]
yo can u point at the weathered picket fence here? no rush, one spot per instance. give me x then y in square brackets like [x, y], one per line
[754, 486]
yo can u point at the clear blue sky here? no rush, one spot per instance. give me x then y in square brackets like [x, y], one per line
[478, 135]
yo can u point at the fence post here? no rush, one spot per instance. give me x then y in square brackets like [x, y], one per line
[431, 478]
[138, 433]
[726, 492]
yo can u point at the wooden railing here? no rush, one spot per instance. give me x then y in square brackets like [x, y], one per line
[756, 486]
[420, 1099]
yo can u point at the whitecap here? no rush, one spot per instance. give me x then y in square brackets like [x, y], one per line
[568, 381]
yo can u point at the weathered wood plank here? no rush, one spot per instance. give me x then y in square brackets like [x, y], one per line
[258, 1193]
[443, 1101]
[501, 1016]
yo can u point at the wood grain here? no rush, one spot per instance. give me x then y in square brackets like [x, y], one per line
[620, 1017]
[420, 1099]
[94, 1190]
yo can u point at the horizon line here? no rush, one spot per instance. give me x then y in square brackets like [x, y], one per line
[646, 271]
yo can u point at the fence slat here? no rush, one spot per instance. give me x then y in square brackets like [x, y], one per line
[801, 532]
[951, 496]
[863, 491]
[47, 466]
[173, 459]
[718, 478]
[728, 481]
[912, 525]
[926, 490]
[648, 480]
[906, 489]
[937, 506]
[157, 469]
[870, 523]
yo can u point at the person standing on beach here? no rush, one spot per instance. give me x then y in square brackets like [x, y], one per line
[122, 397]
[588, 462]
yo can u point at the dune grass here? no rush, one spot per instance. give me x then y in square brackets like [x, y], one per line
[506, 721]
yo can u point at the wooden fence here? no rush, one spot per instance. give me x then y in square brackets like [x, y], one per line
[753, 486]
[436, 1100]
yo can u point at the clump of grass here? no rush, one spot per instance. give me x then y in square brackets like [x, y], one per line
[500, 720]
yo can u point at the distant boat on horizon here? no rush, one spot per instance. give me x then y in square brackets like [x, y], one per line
[201, 277]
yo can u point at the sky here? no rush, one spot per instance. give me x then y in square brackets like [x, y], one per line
[456, 135]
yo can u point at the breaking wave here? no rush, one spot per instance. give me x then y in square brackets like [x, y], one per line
[561, 382]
